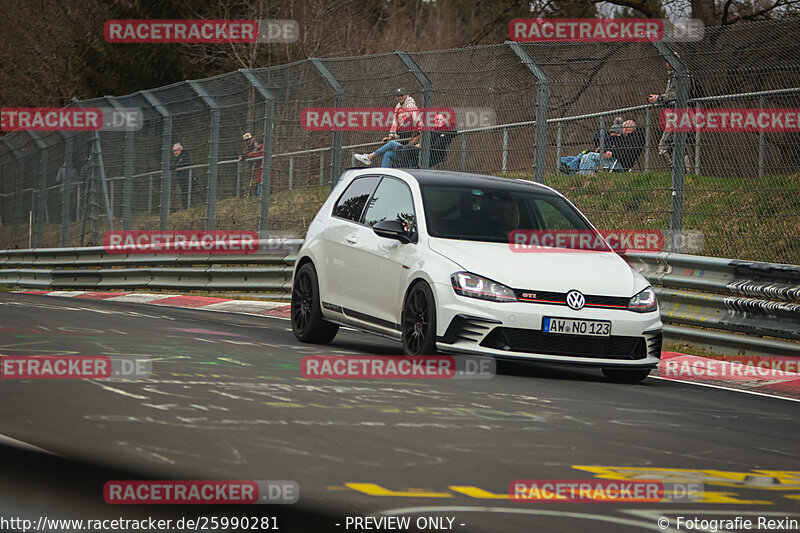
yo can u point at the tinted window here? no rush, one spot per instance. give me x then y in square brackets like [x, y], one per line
[490, 214]
[351, 203]
[391, 201]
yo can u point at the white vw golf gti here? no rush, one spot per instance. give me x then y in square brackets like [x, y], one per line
[423, 257]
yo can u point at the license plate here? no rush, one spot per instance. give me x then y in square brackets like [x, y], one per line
[571, 326]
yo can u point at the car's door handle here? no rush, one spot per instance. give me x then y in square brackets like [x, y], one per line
[351, 240]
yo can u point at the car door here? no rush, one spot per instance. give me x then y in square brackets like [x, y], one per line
[338, 236]
[375, 268]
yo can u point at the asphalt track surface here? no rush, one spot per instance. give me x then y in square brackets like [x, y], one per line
[227, 401]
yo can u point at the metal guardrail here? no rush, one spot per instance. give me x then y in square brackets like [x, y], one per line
[733, 306]
[94, 268]
[757, 302]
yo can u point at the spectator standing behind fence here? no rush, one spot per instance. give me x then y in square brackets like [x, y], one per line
[667, 142]
[253, 150]
[180, 159]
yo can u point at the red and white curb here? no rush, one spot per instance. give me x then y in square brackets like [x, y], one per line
[206, 303]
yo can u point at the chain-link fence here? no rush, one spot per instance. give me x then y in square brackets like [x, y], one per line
[548, 101]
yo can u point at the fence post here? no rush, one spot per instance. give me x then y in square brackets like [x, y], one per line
[102, 171]
[542, 95]
[127, 188]
[269, 139]
[66, 189]
[213, 153]
[336, 154]
[559, 135]
[166, 157]
[463, 151]
[761, 139]
[291, 170]
[602, 135]
[678, 147]
[505, 149]
[40, 209]
[697, 146]
[321, 167]
[427, 102]
[648, 124]
[18, 194]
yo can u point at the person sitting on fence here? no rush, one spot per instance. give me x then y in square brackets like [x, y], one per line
[587, 162]
[388, 152]
[441, 137]
[406, 119]
[629, 146]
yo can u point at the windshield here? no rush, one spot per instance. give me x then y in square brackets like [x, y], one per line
[490, 213]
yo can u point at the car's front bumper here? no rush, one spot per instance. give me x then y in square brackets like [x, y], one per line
[514, 330]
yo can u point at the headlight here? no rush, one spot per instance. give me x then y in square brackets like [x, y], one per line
[644, 302]
[467, 284]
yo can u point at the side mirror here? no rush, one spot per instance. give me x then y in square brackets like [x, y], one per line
[391, 229]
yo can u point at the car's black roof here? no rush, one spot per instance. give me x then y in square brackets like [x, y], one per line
[447, 177]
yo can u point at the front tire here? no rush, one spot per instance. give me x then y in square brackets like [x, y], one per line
[626, 375]
[307, 322]
[419, 321]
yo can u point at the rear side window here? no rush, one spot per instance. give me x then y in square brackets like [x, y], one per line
[351, 203]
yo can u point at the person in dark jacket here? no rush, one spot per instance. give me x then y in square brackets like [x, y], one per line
[179, 161]
[629, 146]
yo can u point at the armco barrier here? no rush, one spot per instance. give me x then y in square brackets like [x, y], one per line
[751, 299]
[731, 305]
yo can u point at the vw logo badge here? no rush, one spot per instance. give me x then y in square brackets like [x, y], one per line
[575, 300]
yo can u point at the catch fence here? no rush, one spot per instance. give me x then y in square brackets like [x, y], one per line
[544, 101]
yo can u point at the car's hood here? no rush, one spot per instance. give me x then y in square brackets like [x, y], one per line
[600, 273]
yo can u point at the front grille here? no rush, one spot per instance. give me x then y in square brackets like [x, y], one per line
[533, 341]
[560, 298]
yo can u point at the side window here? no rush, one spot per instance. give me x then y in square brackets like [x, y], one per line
[552, 216]
[352, 201]
[391, 201]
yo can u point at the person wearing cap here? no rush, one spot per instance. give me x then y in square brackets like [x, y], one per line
[406, 117]
[253, 150]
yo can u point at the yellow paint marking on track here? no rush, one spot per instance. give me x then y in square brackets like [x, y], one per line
[475, 492]
[373, 489]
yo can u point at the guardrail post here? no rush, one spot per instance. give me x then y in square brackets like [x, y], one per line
[18, 194]
[40, 210]
[269, 137]
[213, 153]
[427, 102]
[127, 188]
[761, 139]
[336, 153]
[542, 95]
[678, 147]
[166, 157]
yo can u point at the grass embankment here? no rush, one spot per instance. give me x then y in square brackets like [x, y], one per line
[757, 219]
